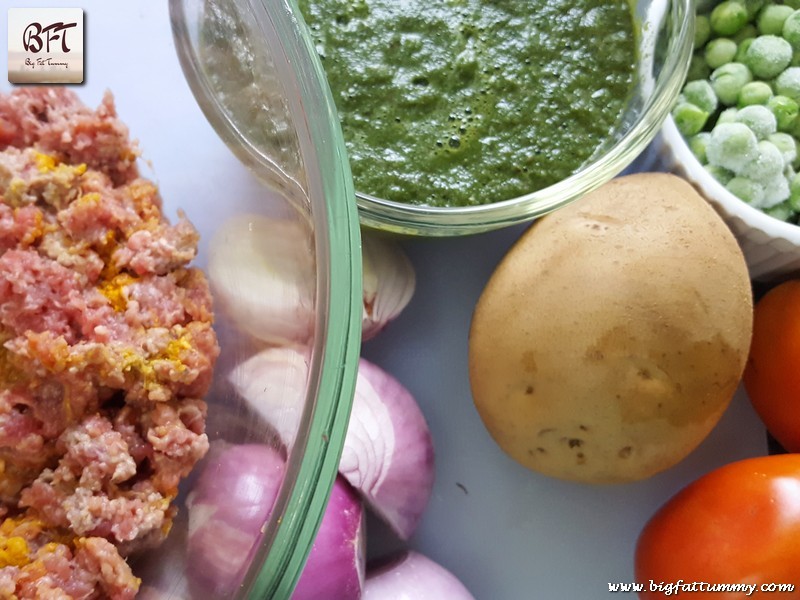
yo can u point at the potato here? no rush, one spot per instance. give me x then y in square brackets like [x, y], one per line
[612, 336]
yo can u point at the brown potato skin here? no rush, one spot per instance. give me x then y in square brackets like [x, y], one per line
[612, 336]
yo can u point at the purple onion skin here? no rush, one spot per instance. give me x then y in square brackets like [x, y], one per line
[335, 568]
[233, 499]
[413, 576]
[404, 494]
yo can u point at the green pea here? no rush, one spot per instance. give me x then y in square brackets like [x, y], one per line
[732, 145]
[754, 92]
[782, 211]
[787, 146]
[728, 115]
[795, 4]
[700, 93]
[746, 189]
[785, 110]
[719, 51]
[791, 30]
[702, 31]
[752, 7]
[741, 49]
[772, 17]
[794, 193]
[719, 173]
[689, 119]
[788, 83]
[767, 56]
[728, 81]
[759, 119]
[698, 144]
[698, 69]
[747, 32]
[728, 17]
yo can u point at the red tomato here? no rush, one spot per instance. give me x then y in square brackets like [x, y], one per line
[737, 524]
[772, 375]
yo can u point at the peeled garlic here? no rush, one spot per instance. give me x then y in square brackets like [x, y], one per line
[389, 282]
[262, 275]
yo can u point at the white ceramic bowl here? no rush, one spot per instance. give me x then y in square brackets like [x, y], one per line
[771, 247]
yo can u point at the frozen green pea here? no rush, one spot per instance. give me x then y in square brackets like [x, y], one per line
[689, 118]
[700, 93]
[772, 17]
[767, 56]
[719, 51]
[698, 69]
[747, 32]
[755, 92]
[791, 29]
[794, 193]
[785, 110]
[752, 7]
[702, 31]
[776, 190]
[782, 211]
[746, 189]
[719, 173]
[741, 49]
[728, 81]
[698, 144]
[787, 146]
[732, 146]
[759, 119]
[728, 115]
[767, 166]
[728, 17]
[788, 83]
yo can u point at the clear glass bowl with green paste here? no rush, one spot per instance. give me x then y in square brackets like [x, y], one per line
[463, 116]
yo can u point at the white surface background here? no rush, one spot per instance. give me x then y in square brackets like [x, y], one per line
[510, 534]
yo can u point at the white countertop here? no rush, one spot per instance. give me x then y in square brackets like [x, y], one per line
[507, 533]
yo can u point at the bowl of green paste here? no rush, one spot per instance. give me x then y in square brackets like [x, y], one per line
[466, 116]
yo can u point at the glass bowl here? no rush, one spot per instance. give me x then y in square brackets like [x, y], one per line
[230, 53]
[665, 36]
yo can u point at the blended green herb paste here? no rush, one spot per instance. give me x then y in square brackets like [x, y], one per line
[463, 102]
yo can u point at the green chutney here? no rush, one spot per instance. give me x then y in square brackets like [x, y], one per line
[466, 102]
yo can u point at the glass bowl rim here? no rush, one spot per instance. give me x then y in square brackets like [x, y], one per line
[425, 220]
[279, 558]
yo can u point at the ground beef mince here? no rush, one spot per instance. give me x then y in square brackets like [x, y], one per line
[106, 351]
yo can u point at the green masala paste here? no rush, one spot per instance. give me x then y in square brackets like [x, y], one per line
[463, 102]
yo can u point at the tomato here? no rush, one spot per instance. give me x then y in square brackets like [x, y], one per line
[737, 524]
[772, 374]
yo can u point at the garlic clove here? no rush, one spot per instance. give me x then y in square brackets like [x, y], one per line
[262, 275]
[388, 453]
[389, 282]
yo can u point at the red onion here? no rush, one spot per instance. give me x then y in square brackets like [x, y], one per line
[388, 454]
[414, 577]
[232, 500]
[388, 451]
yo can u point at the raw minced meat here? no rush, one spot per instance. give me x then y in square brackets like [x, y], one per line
[106, 351]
